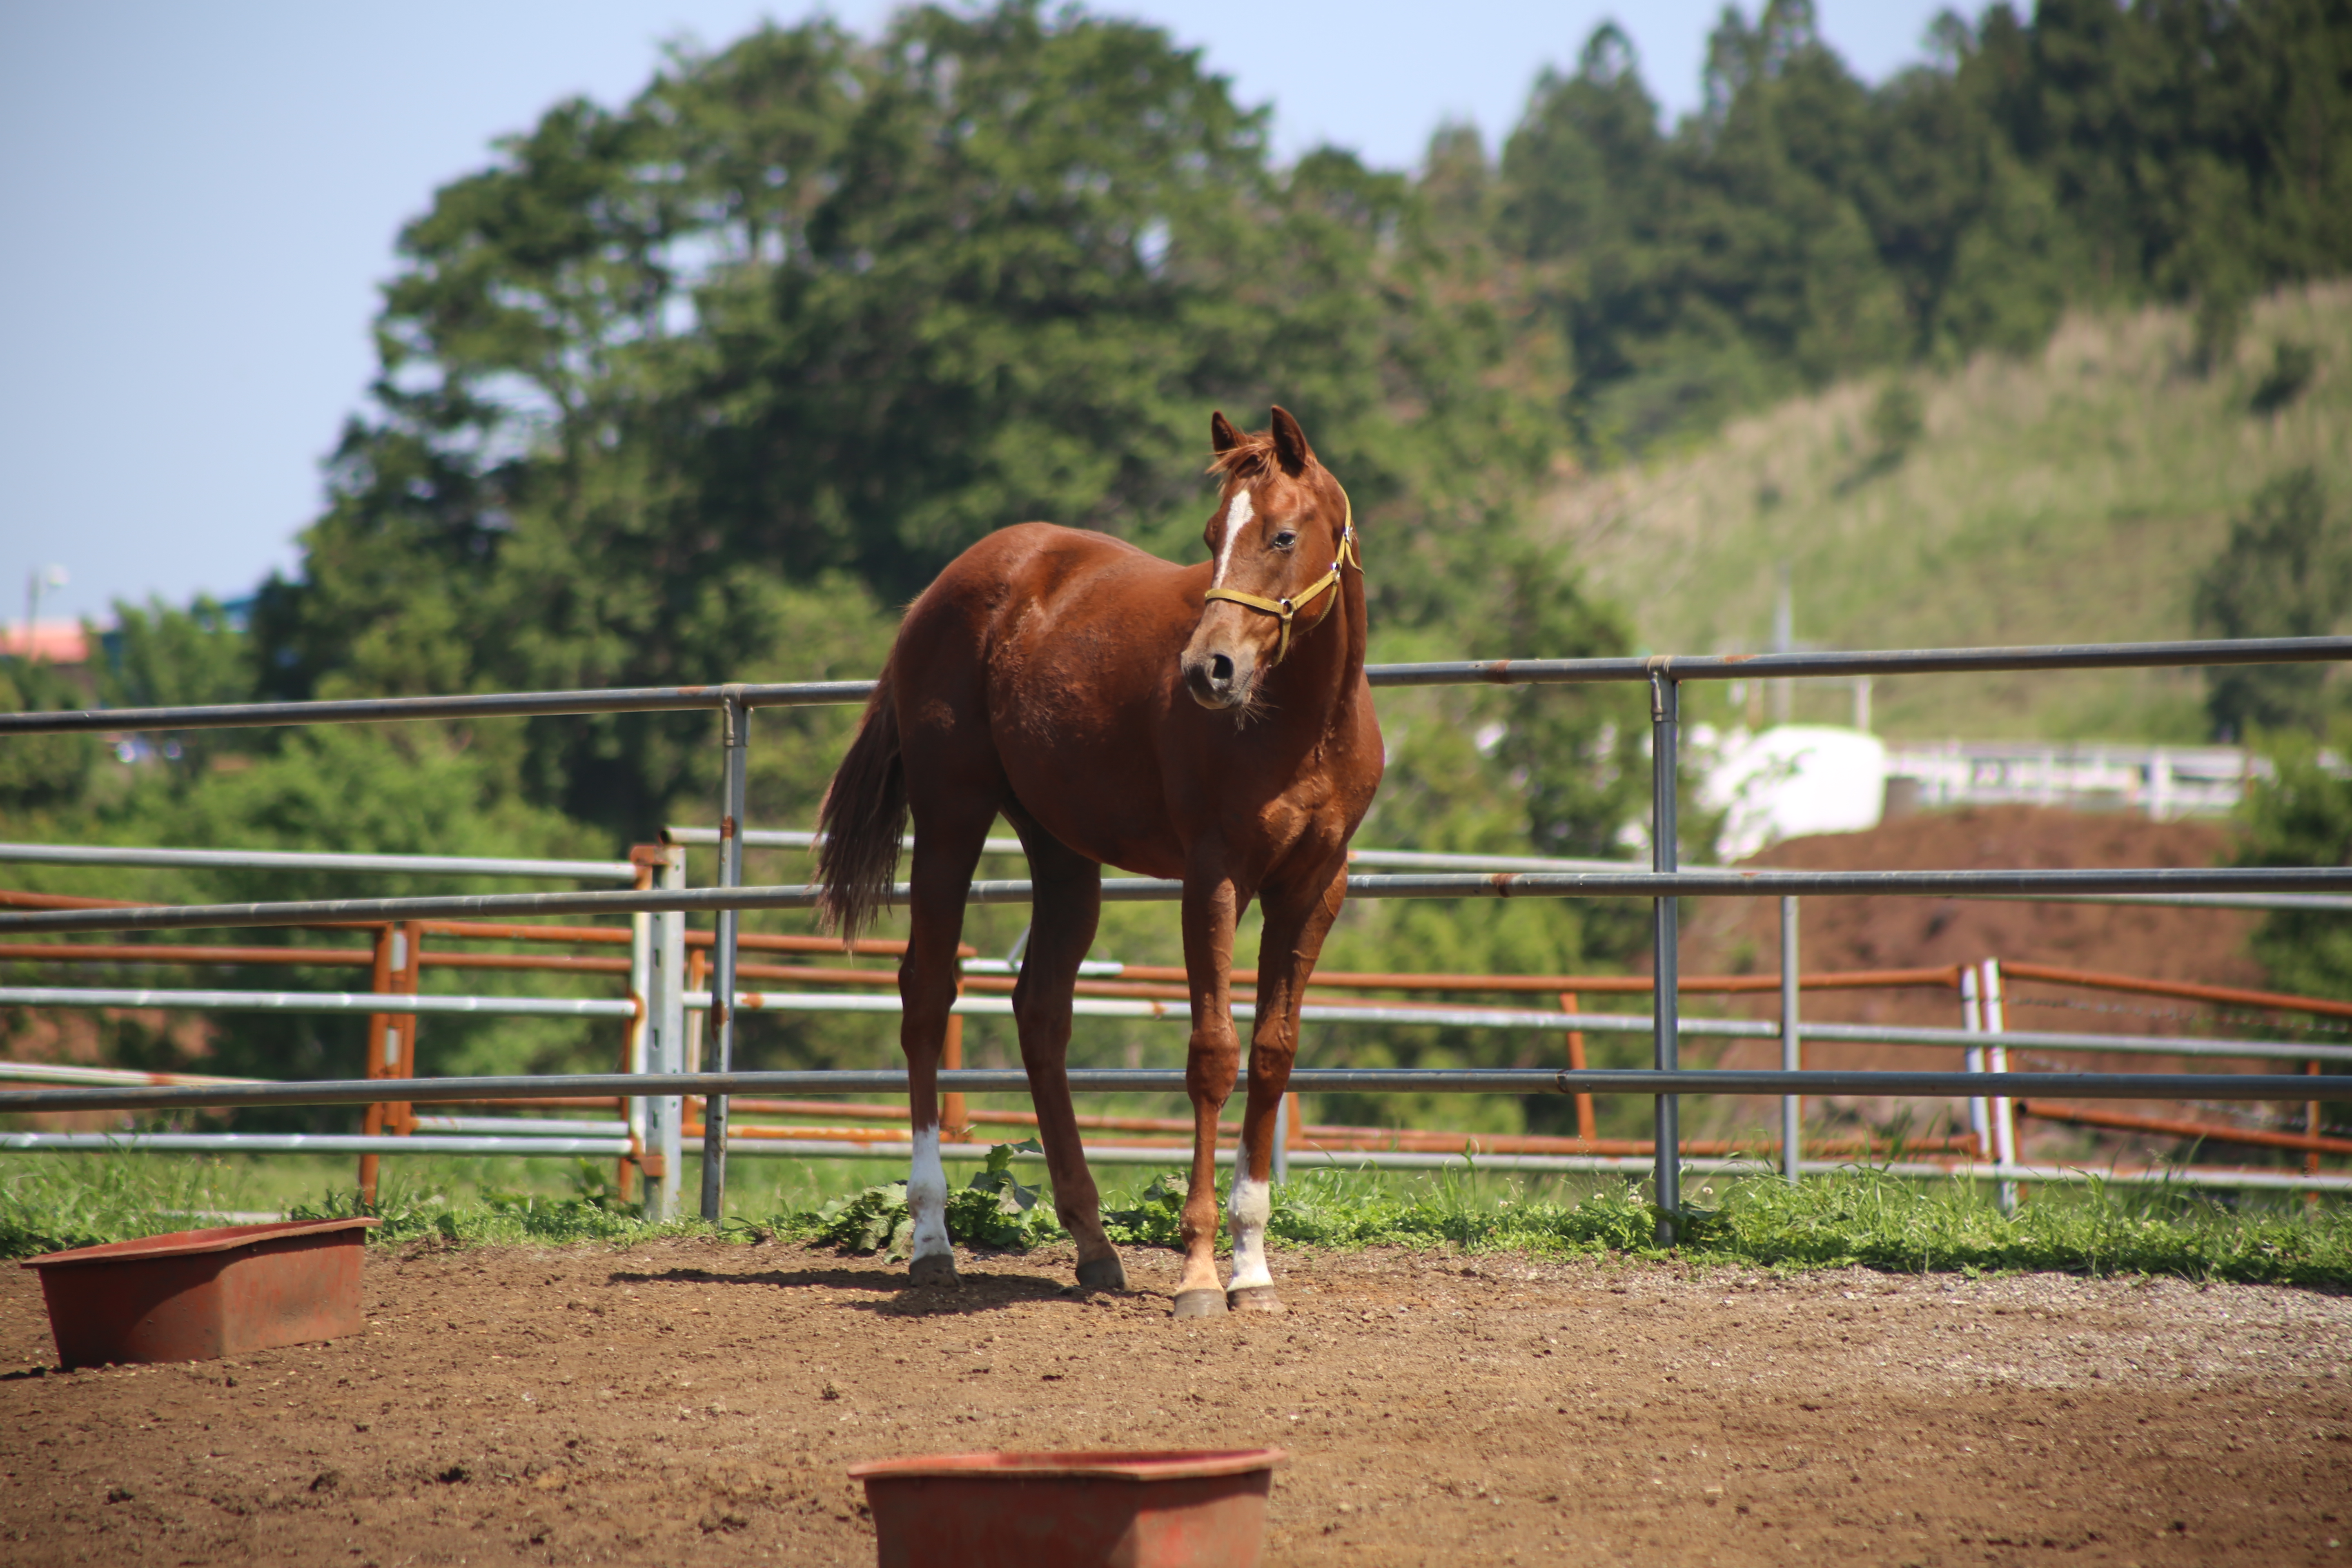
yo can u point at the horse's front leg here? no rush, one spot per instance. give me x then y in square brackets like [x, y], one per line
[1298, 918]
[1212, 905]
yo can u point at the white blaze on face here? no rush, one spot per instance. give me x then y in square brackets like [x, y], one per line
[1251, 1206]
[927, 1195]
[1237, 516]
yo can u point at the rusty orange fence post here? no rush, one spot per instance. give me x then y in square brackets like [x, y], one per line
[697, 978]
[375, 1065]
[956, 1120]
[1570, 1002]
[2311, 1129]
[407, 945]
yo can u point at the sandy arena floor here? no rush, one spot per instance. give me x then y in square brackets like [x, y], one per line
[696, 1401]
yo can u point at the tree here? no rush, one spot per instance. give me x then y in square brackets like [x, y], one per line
[1802, 226]
[2286, 572]
[695, 389]
[2300, 816]
[40, 773]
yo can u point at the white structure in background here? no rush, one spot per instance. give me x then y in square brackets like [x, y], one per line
[1795, 779]
[2164, 782]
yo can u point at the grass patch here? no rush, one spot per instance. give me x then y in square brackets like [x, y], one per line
[1858, 1216]
[52, 1202]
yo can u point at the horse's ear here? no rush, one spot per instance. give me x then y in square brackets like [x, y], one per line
[1223, 437]
[1290, 446]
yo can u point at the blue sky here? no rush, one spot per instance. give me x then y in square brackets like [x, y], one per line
[205, 198]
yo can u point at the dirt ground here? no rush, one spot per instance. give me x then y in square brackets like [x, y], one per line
[695, 1400]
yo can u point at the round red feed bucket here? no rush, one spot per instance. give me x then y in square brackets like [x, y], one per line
[1171, 1508]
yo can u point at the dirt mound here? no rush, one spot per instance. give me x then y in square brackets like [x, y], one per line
[694, 1401]
[2207, 946]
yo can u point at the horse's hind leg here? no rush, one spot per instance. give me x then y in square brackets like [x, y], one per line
[1065, 909]
[948, 843]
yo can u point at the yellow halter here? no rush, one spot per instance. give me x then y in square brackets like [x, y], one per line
[1288, 609]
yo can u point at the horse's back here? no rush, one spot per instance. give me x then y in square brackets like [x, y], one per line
[1054, 650]
[1040, 602]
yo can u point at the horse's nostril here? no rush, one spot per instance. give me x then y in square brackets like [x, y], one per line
[1221, 669]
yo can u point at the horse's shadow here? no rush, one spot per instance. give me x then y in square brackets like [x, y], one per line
[979, 1292]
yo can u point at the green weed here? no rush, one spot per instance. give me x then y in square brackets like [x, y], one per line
[62, 1201]
[994, 1210]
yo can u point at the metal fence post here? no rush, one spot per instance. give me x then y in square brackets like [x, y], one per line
[1972, 1060]
[1665, 940]
[1792, 1048]
[383, 1053]
[634, 1054]
[2004, 1112]
[666, 1043]
[735, 721]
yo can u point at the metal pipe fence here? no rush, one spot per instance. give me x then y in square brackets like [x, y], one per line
[2183, 1176]
[1164, 1080]
[304, 860]
[1327, 1012]
[405, 1005]
[1145, 889]
[659, 1045]
[2180, 654]
[1422, 860]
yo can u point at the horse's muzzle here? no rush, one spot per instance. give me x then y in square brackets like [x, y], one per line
[1215, 680]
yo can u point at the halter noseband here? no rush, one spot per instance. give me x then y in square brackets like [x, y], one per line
[1288, 609]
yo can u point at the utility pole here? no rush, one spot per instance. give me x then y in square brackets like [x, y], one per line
[36, 580]
[1784, 640]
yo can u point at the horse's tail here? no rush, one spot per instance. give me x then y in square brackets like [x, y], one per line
[864, 814]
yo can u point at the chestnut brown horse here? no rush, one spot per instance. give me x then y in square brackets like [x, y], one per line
[1209, 724]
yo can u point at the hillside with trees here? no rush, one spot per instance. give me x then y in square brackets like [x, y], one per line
[2088, 492]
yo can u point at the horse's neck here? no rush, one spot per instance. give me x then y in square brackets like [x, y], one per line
[1334, 667]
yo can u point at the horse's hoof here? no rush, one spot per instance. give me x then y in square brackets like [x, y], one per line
[1102, 1274]
[1253, 1298]
[1200, 1304]
[939, 1269]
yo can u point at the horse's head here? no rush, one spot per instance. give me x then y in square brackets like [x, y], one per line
[1280, 533]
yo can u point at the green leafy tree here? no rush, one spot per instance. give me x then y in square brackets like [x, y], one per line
[40, 772]
[694, 388]
[2302, 816]
[1802, 226]
[159, 657]
[2286, 572]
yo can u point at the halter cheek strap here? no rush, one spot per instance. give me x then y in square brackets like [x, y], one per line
[1288, 609]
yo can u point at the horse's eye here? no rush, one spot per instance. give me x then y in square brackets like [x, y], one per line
[1284, 539]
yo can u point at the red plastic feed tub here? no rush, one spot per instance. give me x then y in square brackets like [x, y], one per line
[1174, 1508]
[197, 1295]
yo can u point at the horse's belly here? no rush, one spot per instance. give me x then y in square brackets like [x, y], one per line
[1084, 762]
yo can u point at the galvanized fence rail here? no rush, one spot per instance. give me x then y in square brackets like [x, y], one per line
[1170, 1080]
[1664, 884]
[306, 860]
[2265, 881]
